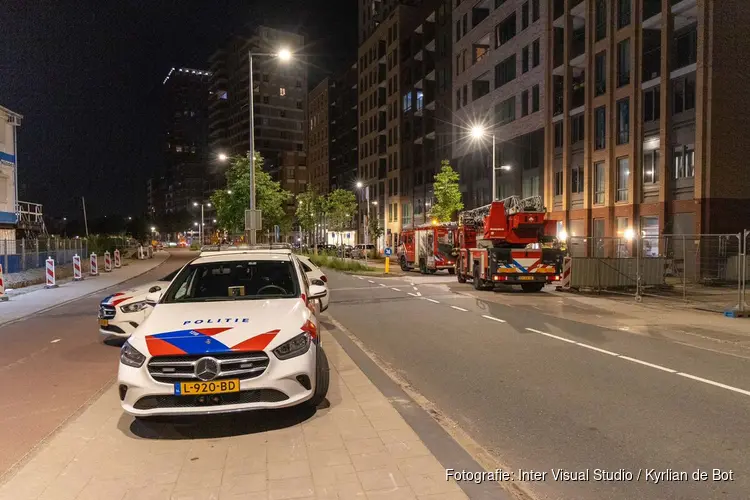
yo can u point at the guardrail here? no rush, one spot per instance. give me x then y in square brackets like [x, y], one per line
[18, 255]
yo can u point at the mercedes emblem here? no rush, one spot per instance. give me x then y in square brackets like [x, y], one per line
[207, 368]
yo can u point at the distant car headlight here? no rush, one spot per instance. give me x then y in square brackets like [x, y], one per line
[293, 347]
[131, 356]
[134, 307]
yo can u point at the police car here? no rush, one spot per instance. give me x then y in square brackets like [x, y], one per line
[234, 331]
[122, 312]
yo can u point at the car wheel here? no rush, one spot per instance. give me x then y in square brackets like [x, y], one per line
[433, 271]
[452, 270]
[477, 279]
[322, 379]
[460, 274]
[402, 261]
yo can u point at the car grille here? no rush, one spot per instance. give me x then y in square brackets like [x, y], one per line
[107, 312]
[232, 398]
[239, 365]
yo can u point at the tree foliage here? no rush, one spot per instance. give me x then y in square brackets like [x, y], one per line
[447, 194]
[232, 201]
[341, 205]
[374, 229]
[310, 206]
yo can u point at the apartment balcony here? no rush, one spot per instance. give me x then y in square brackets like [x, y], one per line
[651, 64]
[684, 49]
[578, 48]
[382, 168]
[382, 146]
[480, 12]
[382, 101]
[651, 8]
[382, 122]
[382, 80]
[578, 91]
[381, 51]
[428, 32]
[558, 9]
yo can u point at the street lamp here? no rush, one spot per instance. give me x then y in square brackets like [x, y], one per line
[478, 132]
[284, 55]
[223, 157]
[203, 220]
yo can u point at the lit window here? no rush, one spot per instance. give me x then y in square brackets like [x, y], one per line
[282, 91]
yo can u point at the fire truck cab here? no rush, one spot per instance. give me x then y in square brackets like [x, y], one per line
[429, 248]
[508, 242]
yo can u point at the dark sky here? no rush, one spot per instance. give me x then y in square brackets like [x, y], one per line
[86, 73]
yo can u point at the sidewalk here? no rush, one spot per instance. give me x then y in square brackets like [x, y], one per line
[358, 448]
[30, 300]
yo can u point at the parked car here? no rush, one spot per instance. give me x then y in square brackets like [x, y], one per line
[358, 252]
[316, 277]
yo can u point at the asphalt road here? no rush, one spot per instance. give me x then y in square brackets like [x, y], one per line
[52, 364]
[543, 393]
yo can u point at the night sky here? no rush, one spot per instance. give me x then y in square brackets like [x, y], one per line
[86, 74]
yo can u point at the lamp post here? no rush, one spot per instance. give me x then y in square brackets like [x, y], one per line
[478, 132]
[283, 55]
[360, 187]
[200, 227]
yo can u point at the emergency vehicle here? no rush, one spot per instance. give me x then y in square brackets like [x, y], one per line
[429, 248]
[509, 242]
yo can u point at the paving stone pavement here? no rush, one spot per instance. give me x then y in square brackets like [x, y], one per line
[357, 448]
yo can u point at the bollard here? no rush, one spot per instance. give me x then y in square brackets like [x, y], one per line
[107, 262]
[50, 264]
[77, 274]
[118, 262]
[150, 252]
[387, 264]
[94, 268]
[140, 252]
[3, 296]
[565, 281]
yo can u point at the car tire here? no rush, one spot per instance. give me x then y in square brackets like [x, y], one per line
[460, 274]
[322, 379]
[478, 285]
[452, 270]
[402, 262]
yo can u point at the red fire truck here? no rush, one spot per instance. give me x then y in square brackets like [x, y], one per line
[506, 242]
[429, 248]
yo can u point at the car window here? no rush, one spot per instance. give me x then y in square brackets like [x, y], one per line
[170, 276]
[305, 266]
[234, 280]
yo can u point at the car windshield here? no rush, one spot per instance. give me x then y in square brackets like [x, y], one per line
[233, 280]
[170, 276]
[445, 243]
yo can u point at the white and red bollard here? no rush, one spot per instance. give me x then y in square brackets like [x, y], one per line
[3, 296]
[51, 282]
[94, 265]
[140, 252]
[107, 262]
[150, 252]
[77, 274]
[118, 261]
[565, 282]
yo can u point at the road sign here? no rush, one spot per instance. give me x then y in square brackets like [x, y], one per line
[253, 220]
[388, 252]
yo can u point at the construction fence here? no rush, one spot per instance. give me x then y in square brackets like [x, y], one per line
[708, 271]
[18, 255]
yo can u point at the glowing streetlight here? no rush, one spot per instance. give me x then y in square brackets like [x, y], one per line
[629, 234]
[214, 221]
[478, 131]
[195, 224]
[359, 184]
[229, 191]
[284, 55]
[223, 157]
[563, 236]
[153, 229]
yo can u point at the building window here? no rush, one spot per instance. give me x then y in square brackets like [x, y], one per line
[524, 16]
[535, 54]
[623, 176]
[601, 20]
[651, 166]
[458, 30]
[623, 63]
[684, 162]
[558, 183]
[651, 104]
[479, 51]
[299, 104]
[534, 10]
[506, 111]
[505, 71]
[576, 180]
[535, 100]
[623, 121]
[524, 103]
[559, 134]
[506, 30]
[525, 59]
[600, 73]
[282, 91]
[599, 176]
[683, 95]
[407, 102]
[458, 99]
[685, 49]
[600, 127]
[576, 129]
[623, 13]
[265, 99]
[464, 95]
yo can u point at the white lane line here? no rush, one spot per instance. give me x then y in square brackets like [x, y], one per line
[493, 318]
[415, 288]
[459, 308]
[413, 294]
[552, 336]
[717, 384]
[383, 284]
[658, 367]
[431, 300]
[604, 351]
[370, 281]
[395, 289]
[55, 341]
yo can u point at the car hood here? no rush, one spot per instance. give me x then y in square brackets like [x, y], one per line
[131, 293]
[220, 327]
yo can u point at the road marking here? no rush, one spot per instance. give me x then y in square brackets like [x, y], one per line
[370, 281]
[597, 349]
[493, 318]
[55, 341]
[413, 294]
[717, 384]
[552, 336]
[395, 289]
[415, 288]
[658, 367]
[460, 309]
[383, 284]
[432, 300]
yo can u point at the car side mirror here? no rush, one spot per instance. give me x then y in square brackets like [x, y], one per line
[317, 282]
[154, 289]
[317, 292]
[153, 298]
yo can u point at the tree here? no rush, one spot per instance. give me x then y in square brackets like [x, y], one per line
[374, 229]
[447, 194]
[232, 202]
[340, 206]
[310, 205]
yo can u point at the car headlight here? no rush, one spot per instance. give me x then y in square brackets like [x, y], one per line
[130, 356]
[293, 347]
[134, 307]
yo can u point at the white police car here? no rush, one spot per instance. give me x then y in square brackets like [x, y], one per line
[122, 312]
[233, 331]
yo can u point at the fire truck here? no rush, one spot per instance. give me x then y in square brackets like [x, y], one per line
[509, 242]
[429, 248]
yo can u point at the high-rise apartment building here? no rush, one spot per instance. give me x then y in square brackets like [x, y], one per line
[342, 129]
[318, 137]
[279, 98]
[373, 12]
[646, 117]
[499, 61]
